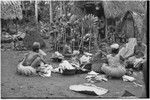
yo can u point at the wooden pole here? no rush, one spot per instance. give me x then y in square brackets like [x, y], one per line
[95, 42]
[16, 25]
[71, 40]
[36, 15]
[106, 31]
[81, 38]
[90, 39]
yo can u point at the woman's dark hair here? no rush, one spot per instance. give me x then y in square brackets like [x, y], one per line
[36, 47]
[115, 51]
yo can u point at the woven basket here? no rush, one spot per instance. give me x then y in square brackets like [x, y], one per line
[69, 72]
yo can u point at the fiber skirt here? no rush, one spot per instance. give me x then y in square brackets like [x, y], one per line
[113, 71]
[25, 70]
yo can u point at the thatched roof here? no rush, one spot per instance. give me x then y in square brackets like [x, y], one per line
[116, 8]
[138, 20]
[11, 10]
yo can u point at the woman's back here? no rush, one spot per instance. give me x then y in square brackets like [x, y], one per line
[113, 60]
[30, 57]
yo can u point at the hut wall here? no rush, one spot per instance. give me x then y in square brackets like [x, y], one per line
[129, 27]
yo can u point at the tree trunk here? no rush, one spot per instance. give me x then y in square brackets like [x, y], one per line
[90, 40]
[106, 31]
[36, 15]
[50, 11]
[80, 46]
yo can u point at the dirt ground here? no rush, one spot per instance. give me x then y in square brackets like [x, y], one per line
[17, 86]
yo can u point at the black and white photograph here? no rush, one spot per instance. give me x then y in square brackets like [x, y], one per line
[74, 49]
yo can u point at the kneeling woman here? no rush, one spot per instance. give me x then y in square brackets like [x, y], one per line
[32, 60]
[114, 66]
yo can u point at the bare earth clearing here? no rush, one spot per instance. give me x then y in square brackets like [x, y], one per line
[16, 86]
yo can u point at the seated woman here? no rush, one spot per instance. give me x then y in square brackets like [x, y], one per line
[67, 51]
[32, 60]
[115, 66]
[139, 55]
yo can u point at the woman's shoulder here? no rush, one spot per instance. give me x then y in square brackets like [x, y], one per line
[32, 54]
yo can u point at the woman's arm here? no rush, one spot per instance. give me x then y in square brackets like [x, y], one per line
[25, 56]
[42, 59]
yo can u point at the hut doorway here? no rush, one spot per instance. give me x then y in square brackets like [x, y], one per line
[128, 25]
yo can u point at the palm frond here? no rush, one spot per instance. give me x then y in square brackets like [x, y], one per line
[88, 21]
[11, 10]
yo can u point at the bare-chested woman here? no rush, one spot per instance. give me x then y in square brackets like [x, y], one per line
[35, 57]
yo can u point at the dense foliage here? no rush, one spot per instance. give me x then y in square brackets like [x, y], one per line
[72, 21]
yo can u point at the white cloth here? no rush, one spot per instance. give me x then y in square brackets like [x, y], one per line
[115, 46]
[129, 48]
[76, 52]
[93, 73]
[85, 59]
[45, 71]
[128, 78]
[65, 65]
[88, 54]
[58, 54]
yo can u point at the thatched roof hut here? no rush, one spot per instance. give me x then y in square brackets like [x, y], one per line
[11, 10]
[118, 8]
[112, 8]
[131, 24]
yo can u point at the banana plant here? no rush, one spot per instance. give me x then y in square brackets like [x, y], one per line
[88, 21]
